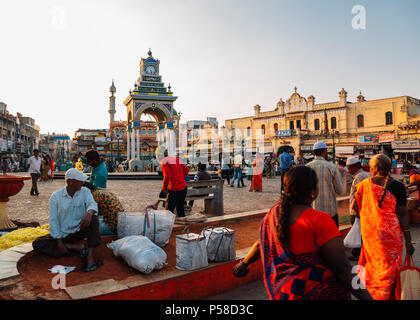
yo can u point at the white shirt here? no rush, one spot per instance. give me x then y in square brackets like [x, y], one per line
[66, 212]
[34, 164]
[237, 160]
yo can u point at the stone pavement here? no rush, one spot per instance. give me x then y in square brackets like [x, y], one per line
[256, 289]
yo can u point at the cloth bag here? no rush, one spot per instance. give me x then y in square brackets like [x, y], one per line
[408, 281]
[191, 252]
[354, 237]
[220, 244]
[156, 225]
[140, 253]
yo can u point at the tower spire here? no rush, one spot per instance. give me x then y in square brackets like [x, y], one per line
[112, 110]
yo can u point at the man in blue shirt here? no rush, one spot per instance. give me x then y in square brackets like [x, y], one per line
[73, 217]
[99, 174]
[286, 163]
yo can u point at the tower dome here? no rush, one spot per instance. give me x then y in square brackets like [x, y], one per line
[112, 88]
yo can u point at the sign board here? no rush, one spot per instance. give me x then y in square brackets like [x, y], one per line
[405, 144]
[386, 137]
[3, 145]
[344, 149]
[368, 138]
[284, 133]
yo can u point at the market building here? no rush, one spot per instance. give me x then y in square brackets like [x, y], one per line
[361, 127]
[19, 135]
[58, 146]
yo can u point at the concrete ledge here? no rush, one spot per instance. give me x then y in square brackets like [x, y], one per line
[92, 289]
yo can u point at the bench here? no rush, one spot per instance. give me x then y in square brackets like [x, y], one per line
[211, 191]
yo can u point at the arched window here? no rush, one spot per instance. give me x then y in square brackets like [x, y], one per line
[333, 123]
[248, 131]
[276, 128]
[316, 124]
[143, 131]
[388, 117]
[263, 128]
[150, 131]
[360, 121]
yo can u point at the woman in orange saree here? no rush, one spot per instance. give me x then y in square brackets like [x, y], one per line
[257, 172]
[380, 202]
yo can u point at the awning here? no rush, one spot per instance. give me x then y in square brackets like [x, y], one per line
[406, 150]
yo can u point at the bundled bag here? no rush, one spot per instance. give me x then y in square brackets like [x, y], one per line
[140, 253]
[354, 237]
[156, 225]
[191, 252]
[408, 281]
[220, 244]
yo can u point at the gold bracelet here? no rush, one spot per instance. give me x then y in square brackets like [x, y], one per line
[407, 230]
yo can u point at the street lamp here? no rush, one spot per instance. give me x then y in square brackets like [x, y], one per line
[119, 133]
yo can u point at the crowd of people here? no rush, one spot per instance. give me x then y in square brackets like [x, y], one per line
[300, 245]
[301, 248]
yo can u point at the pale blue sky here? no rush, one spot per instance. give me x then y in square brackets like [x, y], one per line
[221, 56]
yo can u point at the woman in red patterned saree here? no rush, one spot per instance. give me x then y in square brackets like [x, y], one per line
[380, 202]
[301, 249]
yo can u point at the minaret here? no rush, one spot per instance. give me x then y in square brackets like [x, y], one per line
[111, 110]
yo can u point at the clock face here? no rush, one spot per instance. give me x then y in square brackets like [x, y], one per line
[150, 70]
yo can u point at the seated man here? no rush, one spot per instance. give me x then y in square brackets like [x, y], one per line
[99, 174]
[108, 205]
[73, 216]
[201, 175]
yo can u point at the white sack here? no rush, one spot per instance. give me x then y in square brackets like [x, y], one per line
[161, 223]
[140, 253]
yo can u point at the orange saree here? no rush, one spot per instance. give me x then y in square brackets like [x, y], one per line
[382, 236]
[257, 174]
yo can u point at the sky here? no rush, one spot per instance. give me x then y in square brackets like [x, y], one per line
[221, 57]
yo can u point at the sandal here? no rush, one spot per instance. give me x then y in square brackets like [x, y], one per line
[84, 252]
[92, 267]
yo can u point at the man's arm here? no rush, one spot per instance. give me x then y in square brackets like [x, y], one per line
[166, 173]
[186, 170]
[55, 231]
[91, 209]
[338, 181]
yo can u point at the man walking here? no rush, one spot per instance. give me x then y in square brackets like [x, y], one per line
[237, 164]
[330, 181]
[174, 174]
[286, 162]
[34, 164]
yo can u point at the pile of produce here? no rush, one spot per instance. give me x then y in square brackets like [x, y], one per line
[21, 236]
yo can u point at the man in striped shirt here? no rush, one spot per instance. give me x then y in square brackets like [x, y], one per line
[330, 181]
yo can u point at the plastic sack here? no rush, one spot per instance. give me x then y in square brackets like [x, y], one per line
[156, 225]
[191, 252]
[354, 237]
[408, 281]
[104, 230]
[140, 253]
[220, 244]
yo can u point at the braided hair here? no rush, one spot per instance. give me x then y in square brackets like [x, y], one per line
[383, 165]
[298, 183]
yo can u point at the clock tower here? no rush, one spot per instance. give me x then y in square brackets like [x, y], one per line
[149, 96]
